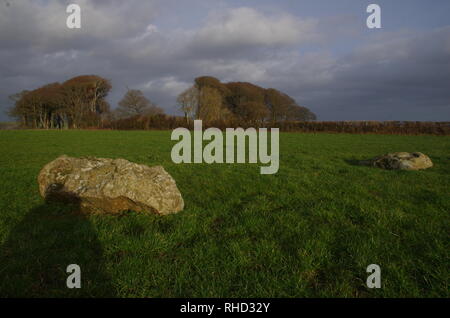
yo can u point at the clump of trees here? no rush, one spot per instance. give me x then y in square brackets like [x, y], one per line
[211, 101]
[77, 103]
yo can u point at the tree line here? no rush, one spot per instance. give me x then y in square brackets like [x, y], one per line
[80, 102]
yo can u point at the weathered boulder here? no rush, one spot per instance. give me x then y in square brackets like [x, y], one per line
[110, 186]
[401, 161]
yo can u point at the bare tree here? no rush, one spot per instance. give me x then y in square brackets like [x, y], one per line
[189, 101]
[134, 103]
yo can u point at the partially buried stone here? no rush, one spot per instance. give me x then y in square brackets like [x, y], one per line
[401, 161]
[109, 186]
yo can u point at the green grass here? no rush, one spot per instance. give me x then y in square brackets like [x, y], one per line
[309, 231]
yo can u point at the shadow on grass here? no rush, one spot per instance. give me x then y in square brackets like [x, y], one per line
[34, 257]
[359, 163]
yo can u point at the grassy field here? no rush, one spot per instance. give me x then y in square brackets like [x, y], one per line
[309, 231]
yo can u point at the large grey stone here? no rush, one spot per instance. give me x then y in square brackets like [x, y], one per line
[401, 161]
[110, 186]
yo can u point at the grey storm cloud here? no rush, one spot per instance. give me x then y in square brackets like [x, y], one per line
[388, 75]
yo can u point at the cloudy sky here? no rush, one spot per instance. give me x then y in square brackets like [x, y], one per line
[318, 51]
